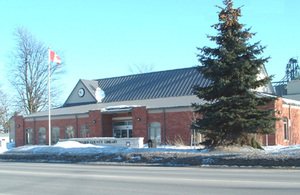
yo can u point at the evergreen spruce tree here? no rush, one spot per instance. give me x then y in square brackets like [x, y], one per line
[233, 110]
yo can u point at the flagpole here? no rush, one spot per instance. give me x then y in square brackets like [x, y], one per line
[49, 98]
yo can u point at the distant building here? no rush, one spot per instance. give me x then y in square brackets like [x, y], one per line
[293, 90]
[4, 138]
[289, 86]
[155, 106]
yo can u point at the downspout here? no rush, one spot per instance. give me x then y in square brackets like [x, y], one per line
[290, 125]
[76, 117]
[35, 132]
[165, 129]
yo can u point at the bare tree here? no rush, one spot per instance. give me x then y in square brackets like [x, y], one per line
[142, 68]
[4, 112]
[30, 73]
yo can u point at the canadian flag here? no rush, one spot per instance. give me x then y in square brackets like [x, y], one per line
[54, 57]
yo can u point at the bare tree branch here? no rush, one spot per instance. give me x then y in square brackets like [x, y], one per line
[142, 68]
[30, 73]
[4, 112]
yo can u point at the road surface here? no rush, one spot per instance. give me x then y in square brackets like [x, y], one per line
[35, 178]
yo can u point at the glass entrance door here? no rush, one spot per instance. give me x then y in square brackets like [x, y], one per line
[122, 129]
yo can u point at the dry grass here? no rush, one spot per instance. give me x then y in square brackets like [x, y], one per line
[177, 141]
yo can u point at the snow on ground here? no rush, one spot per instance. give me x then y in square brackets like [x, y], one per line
[73, 147]
[293, 150]
[74, 152]
[2, 149]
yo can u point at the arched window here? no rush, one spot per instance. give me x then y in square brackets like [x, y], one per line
[42, 136]
[29, 136]
[69, 132]
[55, 135]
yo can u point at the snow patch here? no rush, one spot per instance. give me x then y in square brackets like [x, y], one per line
[119, 107]
[74, 144]
[163, 154]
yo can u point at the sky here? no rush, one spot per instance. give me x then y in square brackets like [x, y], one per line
[104, 38]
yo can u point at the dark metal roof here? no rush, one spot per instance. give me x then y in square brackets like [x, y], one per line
[170, 83]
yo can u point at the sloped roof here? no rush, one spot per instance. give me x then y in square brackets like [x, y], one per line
[170, 83]
[163, 89]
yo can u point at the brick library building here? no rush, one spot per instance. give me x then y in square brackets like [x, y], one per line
[155, 106]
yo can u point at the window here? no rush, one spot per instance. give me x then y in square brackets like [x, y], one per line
[155, 133]
[286, 128]
[55, 135]
[29, 136]
[84, 131]
[69, 132]
[42, 136]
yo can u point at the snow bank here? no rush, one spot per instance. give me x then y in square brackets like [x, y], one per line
[74, 144]
[72, 151]
[76, 148]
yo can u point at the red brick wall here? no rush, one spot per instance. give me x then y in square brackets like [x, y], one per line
[93, 121]
[35, 126]
[95, 118]
[178, 126]
[139, 122]
[266, 139]
[62, 124]
[107, 125]
[19, 124]
[281, 113]
[295, 125]
[174, 125]
[291, 112]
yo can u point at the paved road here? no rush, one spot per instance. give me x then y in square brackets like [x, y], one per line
[34, 178]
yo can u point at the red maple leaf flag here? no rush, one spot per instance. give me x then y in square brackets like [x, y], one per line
[53, 57]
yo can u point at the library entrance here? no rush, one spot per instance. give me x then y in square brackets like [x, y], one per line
[122, 129]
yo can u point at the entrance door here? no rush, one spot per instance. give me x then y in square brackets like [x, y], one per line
[122, 129]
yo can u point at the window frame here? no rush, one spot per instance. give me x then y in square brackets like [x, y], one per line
[286, 129]
[42, 136]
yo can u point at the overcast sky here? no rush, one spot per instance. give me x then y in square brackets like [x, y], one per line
[104, 38]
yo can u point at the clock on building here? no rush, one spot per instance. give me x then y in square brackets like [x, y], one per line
[81, 92]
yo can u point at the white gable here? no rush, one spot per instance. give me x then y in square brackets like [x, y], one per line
[268, 88]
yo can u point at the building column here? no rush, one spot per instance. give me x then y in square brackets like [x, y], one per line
[140, 122]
